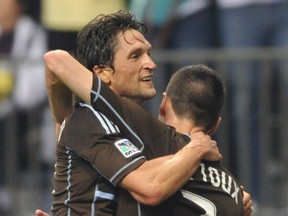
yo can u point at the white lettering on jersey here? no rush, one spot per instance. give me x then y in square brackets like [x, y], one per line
[214, 176]
[226, 186]
[203, 172]
[223, 180]
[234, 195]
[126, 148]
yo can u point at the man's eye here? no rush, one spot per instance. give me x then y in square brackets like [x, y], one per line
[134, 56]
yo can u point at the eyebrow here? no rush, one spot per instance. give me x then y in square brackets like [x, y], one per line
[146, 46]
[139, 50]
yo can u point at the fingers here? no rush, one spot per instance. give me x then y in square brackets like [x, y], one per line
[214, 154]
[248, 203]
[248, 209]
[40, 213]
[209, 146]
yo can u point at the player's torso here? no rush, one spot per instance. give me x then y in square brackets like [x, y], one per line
[215, 189]
[212, 191]
[79, 189]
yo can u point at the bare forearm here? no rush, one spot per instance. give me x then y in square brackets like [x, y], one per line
[158, 179]
[64, 73]
[177, 171]
[60, 99]
[154, 182]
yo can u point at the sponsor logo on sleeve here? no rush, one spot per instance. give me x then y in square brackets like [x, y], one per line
[126, 148]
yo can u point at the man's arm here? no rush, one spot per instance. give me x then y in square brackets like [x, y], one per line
[157, 179]
[60, 99]
[60, 92]
[63, 69]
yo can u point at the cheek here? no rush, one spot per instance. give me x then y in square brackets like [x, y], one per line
[126, 82]
[127, 75]
[125, 85]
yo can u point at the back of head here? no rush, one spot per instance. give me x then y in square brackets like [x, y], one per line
[96, 41]
[197, 92]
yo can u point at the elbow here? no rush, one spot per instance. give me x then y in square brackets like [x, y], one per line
[152, 197]
[49, 58]
[54, 58]
[154, 201]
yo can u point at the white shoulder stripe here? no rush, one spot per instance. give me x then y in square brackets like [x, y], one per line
[98, 96]
[105, 122]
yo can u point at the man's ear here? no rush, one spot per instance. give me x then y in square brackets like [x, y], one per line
[102, 73]
[213, 129]
[162, 109]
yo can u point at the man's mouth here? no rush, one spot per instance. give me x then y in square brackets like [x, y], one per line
[147, 79]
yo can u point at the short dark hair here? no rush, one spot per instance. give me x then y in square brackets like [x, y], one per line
[198, 93]
[96, 41]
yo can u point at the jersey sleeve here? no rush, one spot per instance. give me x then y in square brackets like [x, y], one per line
[94, 138]
[135, 122]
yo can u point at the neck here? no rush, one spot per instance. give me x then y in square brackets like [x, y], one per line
[139, 101]
[184, 126]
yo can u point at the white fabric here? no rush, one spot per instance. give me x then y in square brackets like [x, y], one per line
[29, 46]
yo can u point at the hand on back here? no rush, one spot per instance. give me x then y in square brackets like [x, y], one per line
[208, 147]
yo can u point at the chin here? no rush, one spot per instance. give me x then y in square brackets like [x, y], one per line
[151, 95]
[144, 98]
